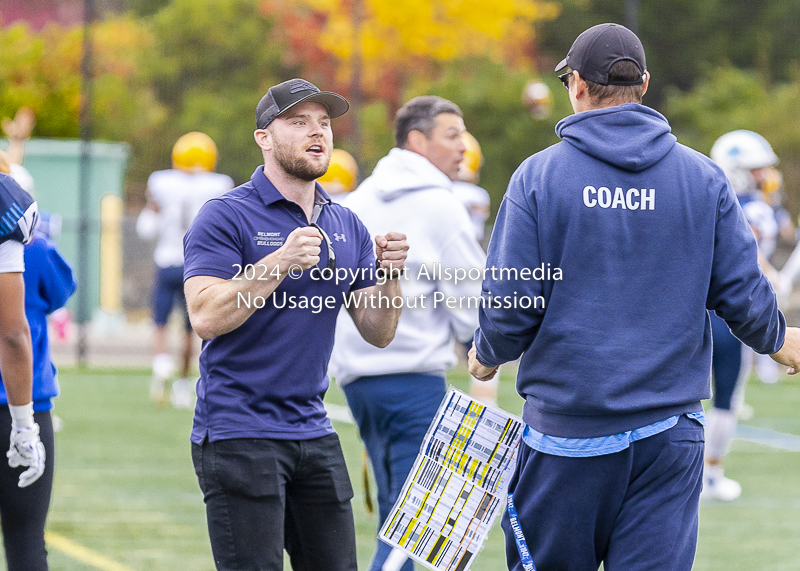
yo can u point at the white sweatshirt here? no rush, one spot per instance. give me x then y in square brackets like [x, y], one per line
[408, 194]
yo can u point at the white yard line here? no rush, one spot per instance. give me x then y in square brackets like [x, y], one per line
[767, 437]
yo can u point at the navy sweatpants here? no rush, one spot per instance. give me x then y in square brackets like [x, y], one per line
[635, 510]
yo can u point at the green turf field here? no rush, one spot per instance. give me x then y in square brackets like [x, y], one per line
[126, 497]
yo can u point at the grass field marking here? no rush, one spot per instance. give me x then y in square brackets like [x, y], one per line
[339, 412]
[768, 437]
[83, 554]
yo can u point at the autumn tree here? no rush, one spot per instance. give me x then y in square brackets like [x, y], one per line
[393, 41]
[41, 70]
[396, 49]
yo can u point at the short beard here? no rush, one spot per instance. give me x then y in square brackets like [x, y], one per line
[298, 167]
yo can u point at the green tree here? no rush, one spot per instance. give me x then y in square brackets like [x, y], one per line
[41, 70]
[212, 62]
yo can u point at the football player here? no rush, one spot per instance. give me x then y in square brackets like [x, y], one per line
[22, 509]
[174, 199]
[475, 198]
[749, 163]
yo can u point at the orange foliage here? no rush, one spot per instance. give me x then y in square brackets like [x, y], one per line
[401, 39]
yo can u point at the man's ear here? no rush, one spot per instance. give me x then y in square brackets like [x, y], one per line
[646, 82]
[263, 139]
[580, 84]
[417, 142]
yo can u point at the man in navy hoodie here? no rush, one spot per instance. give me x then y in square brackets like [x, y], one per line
[616, 346]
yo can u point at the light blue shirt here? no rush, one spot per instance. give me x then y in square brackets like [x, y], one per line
[584, 447]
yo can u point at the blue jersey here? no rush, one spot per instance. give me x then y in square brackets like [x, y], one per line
[18, 211]
[49, 283]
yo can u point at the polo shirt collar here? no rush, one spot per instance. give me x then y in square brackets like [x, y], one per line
[321, 197]
[269, 194]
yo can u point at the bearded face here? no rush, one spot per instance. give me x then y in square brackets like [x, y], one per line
[302, 141]
[307, 162]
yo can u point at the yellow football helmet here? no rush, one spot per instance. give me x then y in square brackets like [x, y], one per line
[342, 174]
[194, 152]
[470, 168]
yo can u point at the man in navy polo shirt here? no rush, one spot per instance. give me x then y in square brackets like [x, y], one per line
[268, 265]
[616, 355]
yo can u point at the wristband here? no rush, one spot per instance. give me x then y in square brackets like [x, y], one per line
[22, 416]
[382, 273]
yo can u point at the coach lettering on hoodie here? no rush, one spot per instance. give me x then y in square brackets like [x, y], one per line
[632, 199]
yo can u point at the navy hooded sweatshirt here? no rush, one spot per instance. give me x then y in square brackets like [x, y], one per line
[648, 236]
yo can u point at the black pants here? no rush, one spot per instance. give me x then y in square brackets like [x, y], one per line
[266, 495]
[23, 511]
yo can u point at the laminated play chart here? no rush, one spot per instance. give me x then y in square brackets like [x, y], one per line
[457, 486]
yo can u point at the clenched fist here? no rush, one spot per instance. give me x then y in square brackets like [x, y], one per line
[302, 248]
[391, 251]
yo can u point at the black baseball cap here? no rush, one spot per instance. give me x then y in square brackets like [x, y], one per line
[598, 48]
[286, 95]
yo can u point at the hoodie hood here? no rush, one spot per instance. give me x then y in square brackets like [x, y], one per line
[630, 136]
[403, 171]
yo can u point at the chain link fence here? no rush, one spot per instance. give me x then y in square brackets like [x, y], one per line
[116, 340]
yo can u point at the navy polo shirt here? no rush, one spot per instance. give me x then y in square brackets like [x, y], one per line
[267, 378]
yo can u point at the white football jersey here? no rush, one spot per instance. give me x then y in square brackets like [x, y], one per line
[761, 216]
[179, 196]
[477, 201]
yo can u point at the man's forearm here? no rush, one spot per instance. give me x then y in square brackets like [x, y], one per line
[376, 323]
[217, 307]
[16, 366]
[16, 355]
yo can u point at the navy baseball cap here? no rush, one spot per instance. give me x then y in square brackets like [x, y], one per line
[600, 47]
[286, 95]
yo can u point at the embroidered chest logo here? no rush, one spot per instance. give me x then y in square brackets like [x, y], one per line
[269, 239]
[339, 237]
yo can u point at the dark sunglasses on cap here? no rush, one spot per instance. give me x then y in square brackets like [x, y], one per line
[564, 78]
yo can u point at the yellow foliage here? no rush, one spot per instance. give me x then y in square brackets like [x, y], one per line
[119, 42]
[396, 31]
[41, 69]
